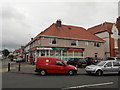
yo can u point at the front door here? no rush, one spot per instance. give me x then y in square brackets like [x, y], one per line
[108, 67]
[60, 67]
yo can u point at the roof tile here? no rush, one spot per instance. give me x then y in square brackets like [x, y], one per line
[68, 31]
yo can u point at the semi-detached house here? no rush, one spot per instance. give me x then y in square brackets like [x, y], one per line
[110, 32]
[65, 41]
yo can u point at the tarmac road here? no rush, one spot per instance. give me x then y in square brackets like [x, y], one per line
[27, 78]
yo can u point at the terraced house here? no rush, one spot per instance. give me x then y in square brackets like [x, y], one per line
[65, 41]
[110, 32]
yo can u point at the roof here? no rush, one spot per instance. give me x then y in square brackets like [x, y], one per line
[106, 26]
[17, 50]
[68, 31]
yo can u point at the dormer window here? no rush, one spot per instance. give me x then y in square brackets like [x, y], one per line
[74, 42]
[53, 41]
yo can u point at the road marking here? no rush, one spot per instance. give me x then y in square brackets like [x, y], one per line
[88, 85]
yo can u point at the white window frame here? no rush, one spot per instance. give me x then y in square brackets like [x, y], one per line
[87, 43]
[76, 41]
[50, 40]
[96, 44]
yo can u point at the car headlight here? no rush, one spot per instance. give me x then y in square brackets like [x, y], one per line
[75, 68]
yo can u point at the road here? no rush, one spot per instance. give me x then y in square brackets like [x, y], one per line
[17, 80]
[81, 80]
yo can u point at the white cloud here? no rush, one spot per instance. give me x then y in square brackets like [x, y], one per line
[24, 18]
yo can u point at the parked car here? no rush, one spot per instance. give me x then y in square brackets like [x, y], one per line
[46, 65]
[19, 59]
[92, 60]
[78, 62]
[113, 58]
[1, 57]
[104, 67]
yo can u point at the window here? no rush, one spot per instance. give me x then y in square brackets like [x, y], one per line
[110, 58]
[53, 40]
[116, 43]
[64, 53]
[109, 64]
[70, 53]
[60, 63]
[118, 59]
[87, 43]
[74, 42]
[116, 63]
[52, 52]
[96, 44]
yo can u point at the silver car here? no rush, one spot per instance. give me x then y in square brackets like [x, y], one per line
[104, 67]
[113, 58]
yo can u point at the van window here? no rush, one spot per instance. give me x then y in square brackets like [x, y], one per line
[60, 63]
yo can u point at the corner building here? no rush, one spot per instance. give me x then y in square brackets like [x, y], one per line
[65, 41]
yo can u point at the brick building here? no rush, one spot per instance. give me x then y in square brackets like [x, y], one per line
[110, 32]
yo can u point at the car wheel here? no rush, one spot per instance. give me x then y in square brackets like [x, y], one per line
[99, 72]
[119, 72]
[43, 72]
[71, 72]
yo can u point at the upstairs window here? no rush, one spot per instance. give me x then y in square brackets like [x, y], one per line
[53, 41]
[74, 42]
[96, 44]
[87, 43]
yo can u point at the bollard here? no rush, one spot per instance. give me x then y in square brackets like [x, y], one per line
[8, 67]
[19, 67]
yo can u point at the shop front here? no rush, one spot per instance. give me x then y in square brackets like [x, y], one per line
[62, 53]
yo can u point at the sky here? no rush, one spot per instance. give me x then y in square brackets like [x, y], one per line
[22, 20]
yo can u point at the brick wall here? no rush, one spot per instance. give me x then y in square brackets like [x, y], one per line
[90, 50]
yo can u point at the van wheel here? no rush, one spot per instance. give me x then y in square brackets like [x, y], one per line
[99, 72]
[71, 72]
[43, 72]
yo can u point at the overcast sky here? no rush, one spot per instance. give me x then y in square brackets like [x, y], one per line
[24, 20]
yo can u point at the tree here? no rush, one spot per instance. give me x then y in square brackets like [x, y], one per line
[11, 57]
[5, 52]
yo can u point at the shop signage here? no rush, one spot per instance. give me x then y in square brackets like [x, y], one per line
[42, 48]
[58, 48]
[75, 49]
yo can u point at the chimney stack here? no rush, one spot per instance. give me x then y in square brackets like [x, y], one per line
[31, 39]
[118, 19]
[58, 23]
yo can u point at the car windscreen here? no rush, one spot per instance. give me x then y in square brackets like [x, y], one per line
[110, 59]
[118, 59]
[101, 63]
[81, 59]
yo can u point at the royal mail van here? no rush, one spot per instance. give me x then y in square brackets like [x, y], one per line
[46, 65]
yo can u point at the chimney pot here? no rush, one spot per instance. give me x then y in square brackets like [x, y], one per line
[58, 23]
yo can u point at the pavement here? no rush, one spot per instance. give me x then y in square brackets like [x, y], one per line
[26, 68]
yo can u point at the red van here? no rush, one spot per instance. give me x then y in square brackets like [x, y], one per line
[46, 65]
